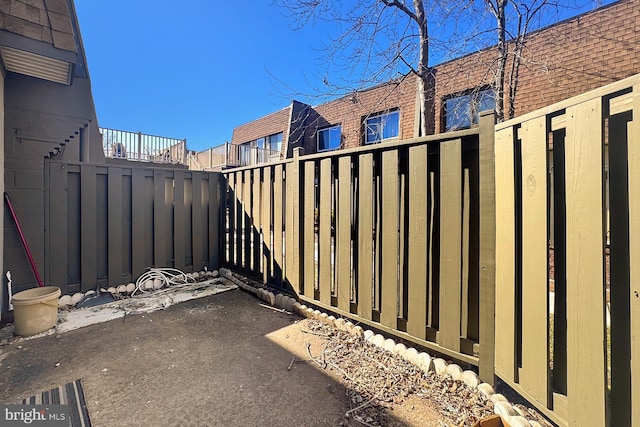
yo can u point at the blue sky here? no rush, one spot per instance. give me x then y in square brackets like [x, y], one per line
[195, 69]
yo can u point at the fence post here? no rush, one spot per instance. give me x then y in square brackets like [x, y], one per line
[487, 246]
[139, 145]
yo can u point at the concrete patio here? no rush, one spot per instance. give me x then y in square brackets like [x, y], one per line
[219, 360]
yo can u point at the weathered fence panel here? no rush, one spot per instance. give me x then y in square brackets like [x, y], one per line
[106, 225]
[447, 241]
[566, 180]
[361, 232]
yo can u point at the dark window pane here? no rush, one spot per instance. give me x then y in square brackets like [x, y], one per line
[329, 138]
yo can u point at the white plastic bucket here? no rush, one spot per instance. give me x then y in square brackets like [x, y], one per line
[35, 310]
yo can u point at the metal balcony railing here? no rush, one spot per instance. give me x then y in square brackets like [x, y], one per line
[232, 155]
[136, 146]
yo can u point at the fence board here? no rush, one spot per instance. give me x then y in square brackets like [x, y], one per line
[487, 247]
[389, 234]
[231, 219]
[534, 375]
[239, 220]
[267, 250]
[324, 233]
[343, 238]
[58, 225]
[256, 226]
[215, 226]
[418, 228]
[633, 147]
[197, 223]
[247, 197]
[114, 206]
[365, 235]
[505, 255]
[88, 226]
[179, 244]
[278, 206]
[291, 192]
[139, 222]
[159, 219]
[309, 229]
[450, 243]
[585, 302]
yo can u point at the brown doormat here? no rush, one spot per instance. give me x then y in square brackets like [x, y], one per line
[70, 394]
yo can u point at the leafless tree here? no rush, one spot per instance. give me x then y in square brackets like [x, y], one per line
[379, 40]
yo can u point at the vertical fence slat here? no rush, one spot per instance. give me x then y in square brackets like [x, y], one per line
[487, 259]
[278, 206]
[239, 219]
[309, 229]
[365, 235]
[197, 226]
[89, 266]
[390, 249]
[138, 221]
[633, 149]
[324, 235]
[114, 203]
[343, 238]
[297, 234]
[505, 346]
[585, 291]
[267, 251]
[418, 228]
[450, 243]
[534, 375]
[231, 220]
[58, 225]
[178, 220]
[159, 219]
[247, 225]
[291, 194]
[256, 217]
[215, 210]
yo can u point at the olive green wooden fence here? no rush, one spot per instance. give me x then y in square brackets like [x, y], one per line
[387, 234]
[577, 178]
[446, 242]
[106, 224]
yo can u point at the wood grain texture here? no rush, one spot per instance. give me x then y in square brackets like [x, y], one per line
[585, 272]
[418, 228]
[365, 235]
[389, 271]
[343, 238]
[534, 375]
[505, 331]
[324, 236]
[450, 243]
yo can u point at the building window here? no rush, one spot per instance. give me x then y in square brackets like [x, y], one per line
[274, 142]
[463, 111]
[381, 127]
[329, 138]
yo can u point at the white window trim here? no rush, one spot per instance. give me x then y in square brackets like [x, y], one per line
[318, 150]
[380, 114]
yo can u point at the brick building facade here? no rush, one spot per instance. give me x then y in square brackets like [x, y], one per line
[560, 61]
